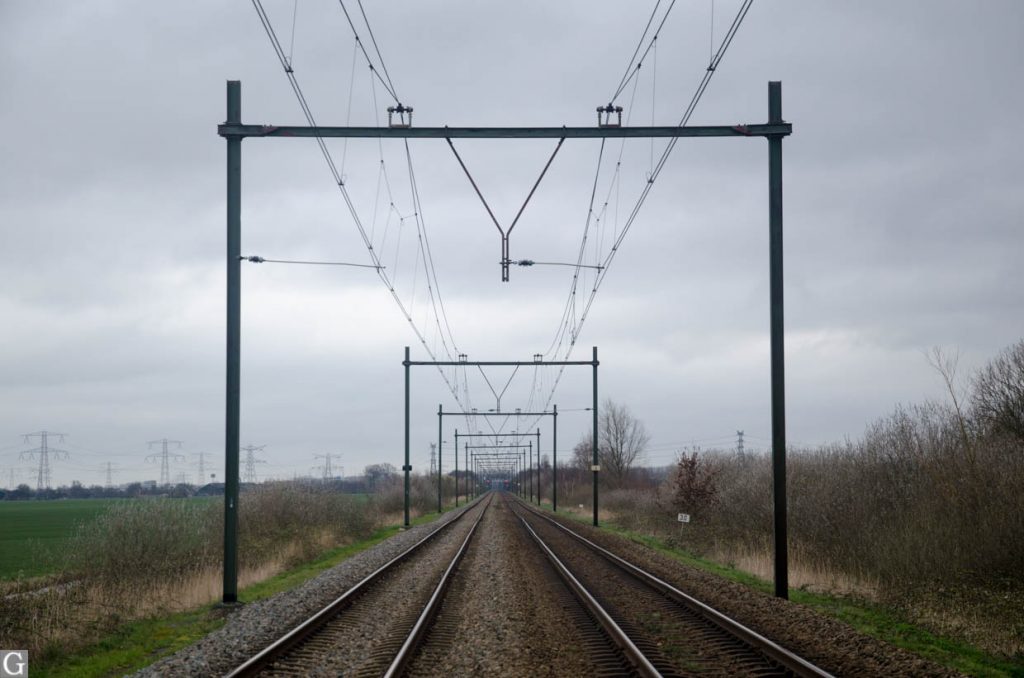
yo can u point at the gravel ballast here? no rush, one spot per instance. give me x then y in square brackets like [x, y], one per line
[252, 627]
[505, 616]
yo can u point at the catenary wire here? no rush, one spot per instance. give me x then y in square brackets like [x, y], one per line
[332, 167]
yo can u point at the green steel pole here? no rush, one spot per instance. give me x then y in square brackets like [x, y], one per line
[406, 467]
[457, 468]
[440, 445]
[540, 478]
[234, 334]
[777, 343]
[468, 479]
[529, 469]
[596, 467]
[554, 462]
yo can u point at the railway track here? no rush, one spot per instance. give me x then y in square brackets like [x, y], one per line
[337, 639]
[408, 618]
[660, 629]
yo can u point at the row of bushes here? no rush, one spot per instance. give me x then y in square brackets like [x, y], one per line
[930, 493]
[160, 554]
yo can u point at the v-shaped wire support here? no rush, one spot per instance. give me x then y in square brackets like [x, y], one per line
[505, 260]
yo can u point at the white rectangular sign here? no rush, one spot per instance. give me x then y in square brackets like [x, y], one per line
[684, 517]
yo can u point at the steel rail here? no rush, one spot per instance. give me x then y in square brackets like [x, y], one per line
[297, 635]
[633, 654]
[412, 642]
[793, 662]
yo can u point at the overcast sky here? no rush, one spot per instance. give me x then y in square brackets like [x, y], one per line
[903, 222]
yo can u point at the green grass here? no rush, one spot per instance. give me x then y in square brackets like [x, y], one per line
[869, 618]
[33, 533]
[138, 644]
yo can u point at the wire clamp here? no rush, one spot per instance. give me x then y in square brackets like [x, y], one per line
[402, 122]
[604, 116]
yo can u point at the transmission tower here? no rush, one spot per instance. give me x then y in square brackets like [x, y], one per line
[202, 467]
[110, 471]
[251, 461]
[739, 443]
[43, 453]
[328, 472]
[165, 456]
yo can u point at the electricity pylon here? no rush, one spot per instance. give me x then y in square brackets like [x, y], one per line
[251, 461]
[164, 456]
[43, 453]
[202, 467]
[328, 472]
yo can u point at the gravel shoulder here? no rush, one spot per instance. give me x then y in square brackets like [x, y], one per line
[252, 627]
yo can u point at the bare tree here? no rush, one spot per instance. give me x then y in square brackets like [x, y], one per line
[946, 365]
[623, 438]
[379, 475]
[998, 398]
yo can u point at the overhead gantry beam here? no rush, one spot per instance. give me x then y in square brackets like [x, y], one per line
[233, 129]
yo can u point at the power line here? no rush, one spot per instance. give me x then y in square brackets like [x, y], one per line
[387, 85]
[606, 262]
[339, 182]
[373, 39]
[630, 71]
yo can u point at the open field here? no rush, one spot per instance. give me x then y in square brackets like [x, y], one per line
[33, 533]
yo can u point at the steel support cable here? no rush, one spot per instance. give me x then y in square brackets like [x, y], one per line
[376, 48]
[570, 299]
[476, 188]
[418, 204]
[423, 239]
[366, 54]
[348, 110]
[663, 159]
[705, 80]
[536, 184]
[579, 259]
[632, 73]
[564, 323]
[639, 44]
[325, 152]
[261, 260]
[708, 74]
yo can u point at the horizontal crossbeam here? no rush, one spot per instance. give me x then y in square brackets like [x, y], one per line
[495, 414]
[498, 363]
[762, 130]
